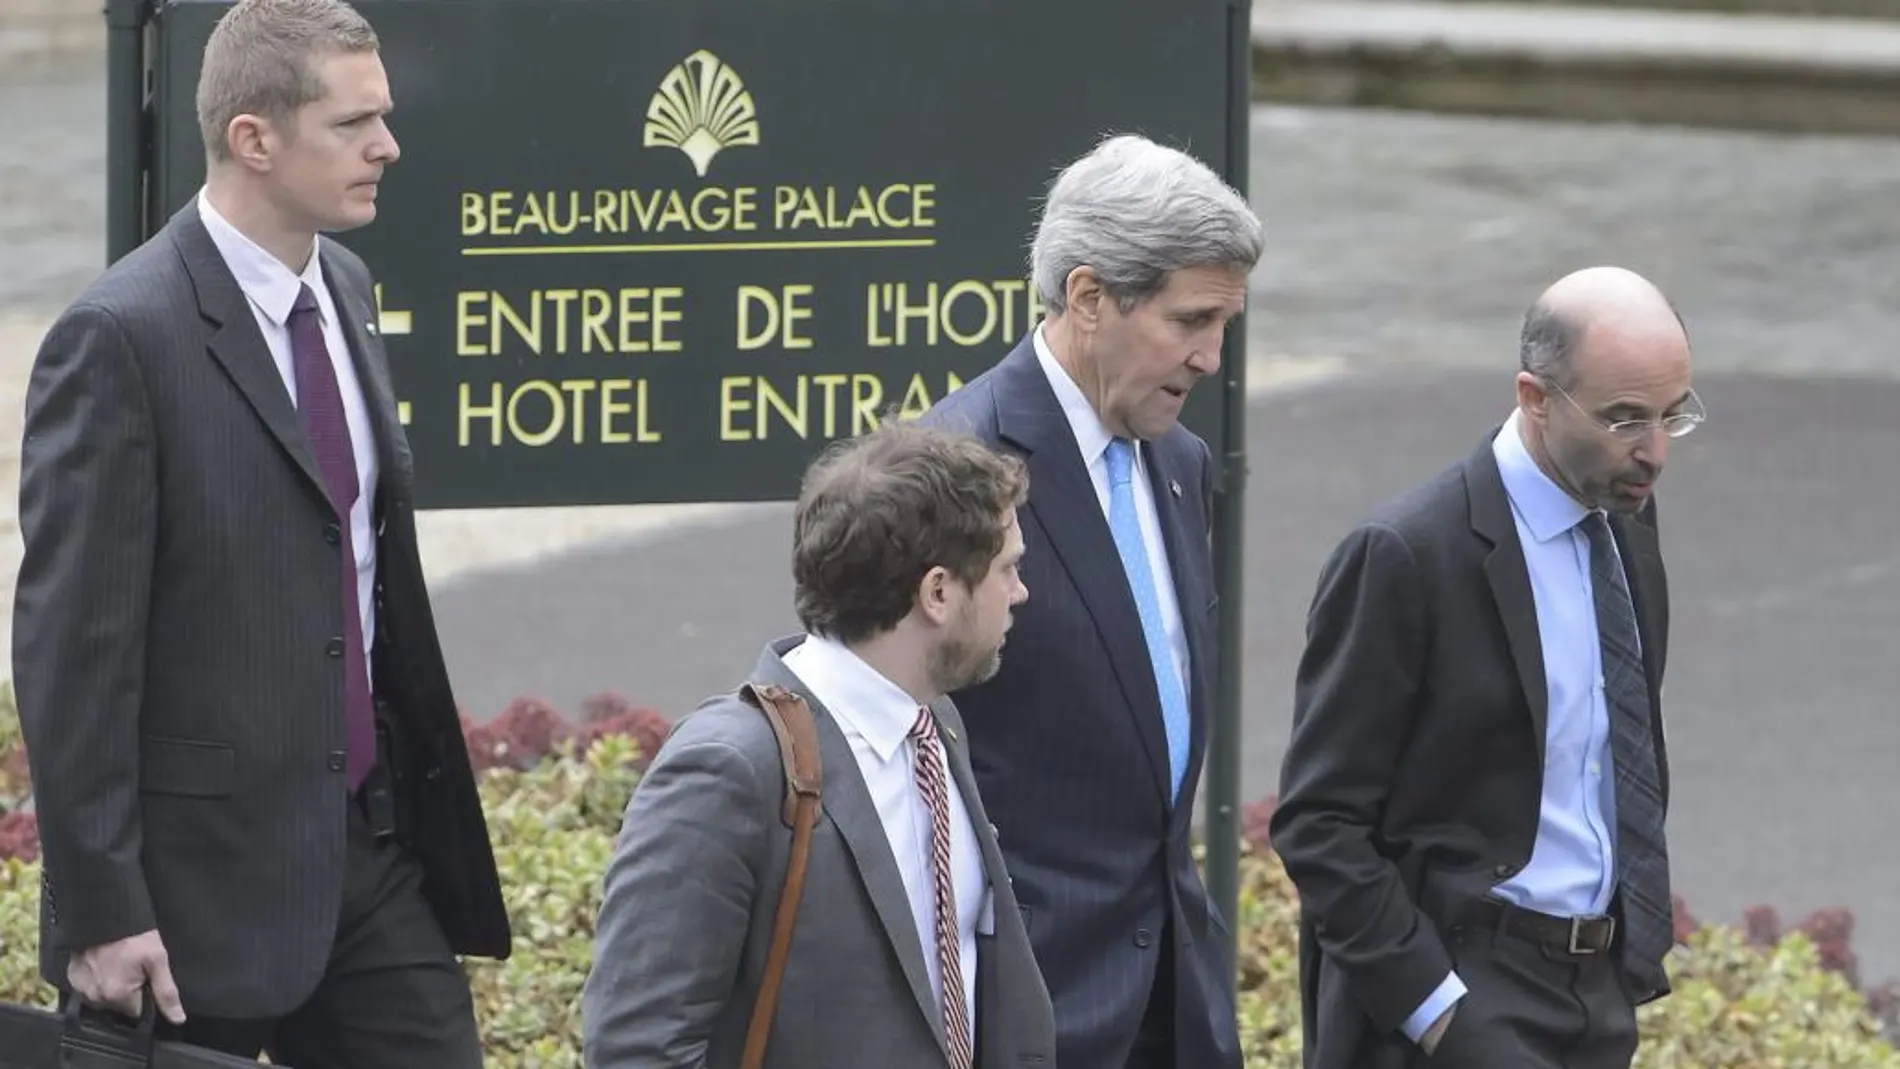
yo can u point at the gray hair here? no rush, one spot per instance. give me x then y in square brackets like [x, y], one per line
[1547, 346]
[1135, 212]
[260, 58]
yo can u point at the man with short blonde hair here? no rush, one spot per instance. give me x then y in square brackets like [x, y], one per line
[260, 60]
[250, 776]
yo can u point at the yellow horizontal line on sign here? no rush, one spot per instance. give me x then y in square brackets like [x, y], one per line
[710, 246]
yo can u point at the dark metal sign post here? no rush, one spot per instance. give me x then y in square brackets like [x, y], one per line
[665, 252]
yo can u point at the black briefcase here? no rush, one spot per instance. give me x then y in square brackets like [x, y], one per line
[76, 1038]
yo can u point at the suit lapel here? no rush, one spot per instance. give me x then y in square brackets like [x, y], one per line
[1643, 556]
[238, 345]
[1643, 568]
[1063, 501]
[372, 373]
[1169, 482]
[957, 748]
[847, 804]
[1510, 582]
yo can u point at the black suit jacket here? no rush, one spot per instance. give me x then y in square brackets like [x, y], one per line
[1068, 744]
[1413, 781]
[173, 628]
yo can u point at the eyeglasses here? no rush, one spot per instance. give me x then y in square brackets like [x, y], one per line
[1675, 425]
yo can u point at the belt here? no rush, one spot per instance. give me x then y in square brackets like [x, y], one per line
[1570, 935]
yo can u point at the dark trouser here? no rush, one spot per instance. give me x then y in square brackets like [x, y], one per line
[1534, 1006]
[393, 997]
[1154, 1044]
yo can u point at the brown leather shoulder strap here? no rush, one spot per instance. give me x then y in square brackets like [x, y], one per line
[792, 723]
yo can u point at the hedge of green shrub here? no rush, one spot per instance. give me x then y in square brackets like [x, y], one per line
[1747, 997]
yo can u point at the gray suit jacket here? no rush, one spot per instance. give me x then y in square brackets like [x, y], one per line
[695, 880]
[177, 645]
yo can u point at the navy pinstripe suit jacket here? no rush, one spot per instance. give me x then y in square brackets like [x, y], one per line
[1068, 745]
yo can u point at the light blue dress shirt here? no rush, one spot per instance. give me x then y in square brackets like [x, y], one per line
[1571, 870]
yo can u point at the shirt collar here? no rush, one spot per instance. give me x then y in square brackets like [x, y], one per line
[1090, 435]
[1547, 510]
[860, 697]
[264, 279]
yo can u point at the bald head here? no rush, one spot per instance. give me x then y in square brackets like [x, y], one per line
[1604, 385]
[1598, 311]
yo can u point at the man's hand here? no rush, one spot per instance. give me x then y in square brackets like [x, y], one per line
[1429, 1041]
[110, 976]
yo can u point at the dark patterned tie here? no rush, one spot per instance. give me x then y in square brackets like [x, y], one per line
[1642, 857]
[320, 401]
[935, 787]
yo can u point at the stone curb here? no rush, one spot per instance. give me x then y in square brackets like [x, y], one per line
[1816, 75]
[1853, 9]
[37, 34]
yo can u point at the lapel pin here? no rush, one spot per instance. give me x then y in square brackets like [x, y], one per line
[1174, 488]
[371, 327]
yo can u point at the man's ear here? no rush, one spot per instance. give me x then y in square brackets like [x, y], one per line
[1533, 396]
[1084, 293]
[933, 595]
[252, 141]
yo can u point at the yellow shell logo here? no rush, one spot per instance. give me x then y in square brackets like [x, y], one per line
[701, 107]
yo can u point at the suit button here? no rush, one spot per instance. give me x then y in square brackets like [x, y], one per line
[337, 760]
[334, 647]
[332, 533]
[1505, 871]
[1143, 937]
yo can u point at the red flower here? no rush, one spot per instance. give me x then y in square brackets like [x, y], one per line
[19, 836]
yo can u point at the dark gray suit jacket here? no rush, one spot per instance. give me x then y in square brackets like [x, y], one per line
[1413, 780]
[177, 650]
[1068, 744]
[694, 884]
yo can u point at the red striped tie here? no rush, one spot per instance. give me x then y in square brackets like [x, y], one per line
[932, 782]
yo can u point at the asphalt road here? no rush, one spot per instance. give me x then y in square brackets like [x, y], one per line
[52, 188]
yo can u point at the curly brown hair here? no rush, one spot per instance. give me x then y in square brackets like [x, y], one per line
[878, 511]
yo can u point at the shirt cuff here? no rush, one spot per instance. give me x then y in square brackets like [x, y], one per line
[1421, 1020]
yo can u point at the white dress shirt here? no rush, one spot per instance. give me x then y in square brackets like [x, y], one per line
[876, 716]
[272, 291]
[1093, 438]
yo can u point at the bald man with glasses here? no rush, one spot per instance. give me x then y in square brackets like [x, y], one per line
[1472, 802]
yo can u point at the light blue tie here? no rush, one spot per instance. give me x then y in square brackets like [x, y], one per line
[1126, 527]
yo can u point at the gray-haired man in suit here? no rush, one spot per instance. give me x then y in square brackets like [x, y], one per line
[249, 771]
[909, 950]
[1089, 742]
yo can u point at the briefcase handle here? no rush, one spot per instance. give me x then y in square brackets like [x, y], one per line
[94, 1032]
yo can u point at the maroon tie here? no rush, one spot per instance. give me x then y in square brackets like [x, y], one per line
[935, 788]
[321, 403]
